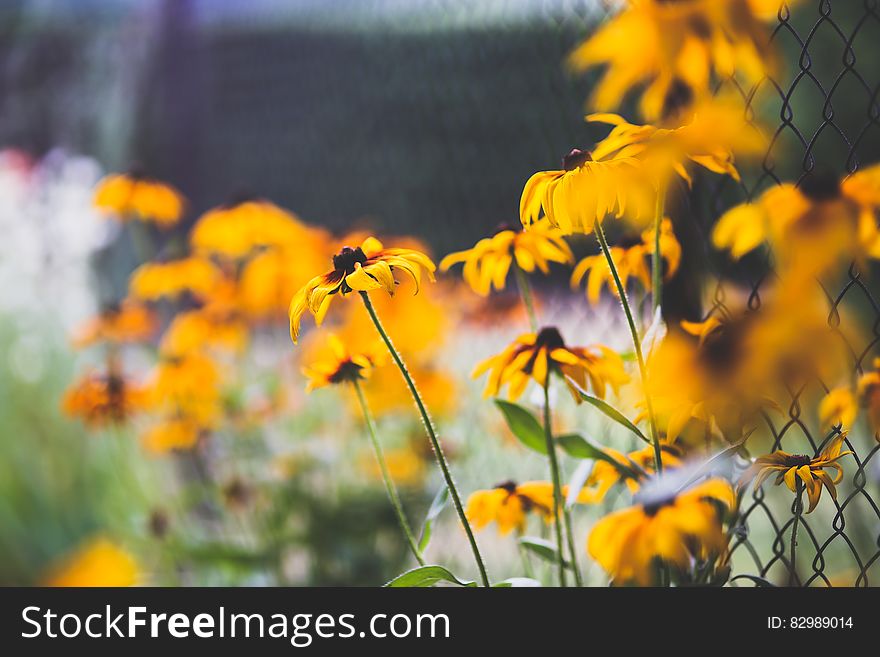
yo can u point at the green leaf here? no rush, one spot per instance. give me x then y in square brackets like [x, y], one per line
[436, 507]
[516, 582]
[610, 412]
[427, 576]
[579, 447]
[543, 548]
[524, 425]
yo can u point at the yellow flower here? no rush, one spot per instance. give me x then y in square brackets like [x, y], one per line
[671, 529]
[605, 475]
[129, 321]
[188, 386]
[669, 46]
[508, 504]
[868, 394]
[100, 399]
[488, 262]
[99, 562]
[341, 365]
[839, 406]
[133, 194]
[622, 173]
[811, 471]
[388, 393]
[536, 356]
[631, 262]
[369, 266]
[171, 434]
[811, 226]
[405, 465]
[198, 329]
[238, 228]
[154, 280]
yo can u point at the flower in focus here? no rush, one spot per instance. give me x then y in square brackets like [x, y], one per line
[369, 266]
[126, 322]
[673, 46]
[789, 468]
[672, 529]
[155, 280]
[605, 475]
[537, 355]
[631, 262]
[100, 399]
[508, 504]
[171, 434]
[623, 172]
[238, 228]
[133, 194]
[99, 562]
[341, 365]
[811, 226]
[488, 262]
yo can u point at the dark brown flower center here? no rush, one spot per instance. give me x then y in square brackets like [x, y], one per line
[798, 460]
[823, 186]
[653, 504]
[549, 337]
[345, 260]
[509, 486]
[347, 371]
[679, 96]
[575, 158]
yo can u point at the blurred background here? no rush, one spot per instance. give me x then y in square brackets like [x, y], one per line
[408, 117]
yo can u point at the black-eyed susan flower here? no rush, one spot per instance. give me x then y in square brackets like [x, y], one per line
[623, 174]
[155, 280]
[605, 475]
[129, 321]
[535, 356]
[508, 504]
[669, 46]
[811, 471]
[810, 226]
[632, 262]
[369, 266]
[489, 261]
[238, 228]
[669, 528]
[99, 562]
[101, 399]
[133, 194]
[340, 365]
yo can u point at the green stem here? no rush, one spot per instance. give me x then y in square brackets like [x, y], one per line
[525, 291]
[386, 476]
[656, 257]
[432, 436]
[572, 549]
[637, 345]
[798, 509]
[557, 488]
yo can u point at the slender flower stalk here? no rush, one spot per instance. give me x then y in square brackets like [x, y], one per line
[386, 476]
[797, 508]
[637, 345]
[657, 257]
[432, 436]
[557, 488]
[525, 291]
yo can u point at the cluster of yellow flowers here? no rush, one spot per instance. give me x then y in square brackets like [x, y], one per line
[686, 391]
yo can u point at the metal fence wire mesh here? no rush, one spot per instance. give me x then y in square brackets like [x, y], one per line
[827, 111]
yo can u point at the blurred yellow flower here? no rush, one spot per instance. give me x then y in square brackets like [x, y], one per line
[133, 194]
[171, 434]
[235, 230]
[536, 356]
[387, 391]
[631, 262]
[673, 529]
[508, 504]
[488, 262]
[669, 46]
[623, 172]
[839, 406]
[405, 466]
[129, 321]
[605, 475]
[101, 399]
[789, 468]
[100, 562]
[868, 395]
[811, 226]
[198, 329]
[341, 365]
[369, 266]
[155, 280]
[188, 386]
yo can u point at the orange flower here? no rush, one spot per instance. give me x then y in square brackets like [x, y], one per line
[133, 194]
[100, 399]
[99, 562]
[154, 280]
[127, 322]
